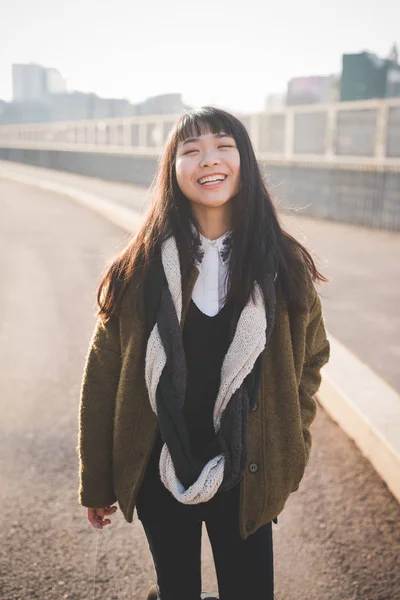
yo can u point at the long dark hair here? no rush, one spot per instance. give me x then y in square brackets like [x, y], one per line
[260, 246]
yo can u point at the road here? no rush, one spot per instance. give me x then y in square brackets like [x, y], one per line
[337, 538]
[361, 302]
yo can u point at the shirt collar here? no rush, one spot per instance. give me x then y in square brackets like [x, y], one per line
[223, 244]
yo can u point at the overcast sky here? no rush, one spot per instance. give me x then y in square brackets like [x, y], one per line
[227, 53]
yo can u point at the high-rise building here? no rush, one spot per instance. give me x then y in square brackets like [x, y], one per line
[55, 82]
[29, 82]
[32, 83]
[366, 75]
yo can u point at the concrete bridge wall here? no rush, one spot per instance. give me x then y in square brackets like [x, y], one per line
[369, 197]
[339, 161]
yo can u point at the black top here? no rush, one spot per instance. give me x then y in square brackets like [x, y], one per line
[206, 341]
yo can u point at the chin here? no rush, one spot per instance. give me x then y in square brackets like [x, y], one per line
[212, 202]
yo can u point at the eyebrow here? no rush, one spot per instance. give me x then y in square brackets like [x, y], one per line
[216, 135]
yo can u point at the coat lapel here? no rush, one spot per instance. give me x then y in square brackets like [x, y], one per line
[247, 345]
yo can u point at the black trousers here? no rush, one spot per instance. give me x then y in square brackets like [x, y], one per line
[244, 568]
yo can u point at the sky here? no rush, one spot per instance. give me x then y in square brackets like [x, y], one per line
[222, 52]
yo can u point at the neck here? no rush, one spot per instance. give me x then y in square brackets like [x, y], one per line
[213, 222]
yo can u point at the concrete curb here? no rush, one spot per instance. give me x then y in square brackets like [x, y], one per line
[365, 407]
[119, 215]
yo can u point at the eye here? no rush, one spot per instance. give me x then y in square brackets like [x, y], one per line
[195, 149]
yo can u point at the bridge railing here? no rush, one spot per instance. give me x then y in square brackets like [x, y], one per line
[353, 134]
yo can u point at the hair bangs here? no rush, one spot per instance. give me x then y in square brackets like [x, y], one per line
[201, 121]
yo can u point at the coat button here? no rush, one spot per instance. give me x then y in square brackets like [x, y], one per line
[250, 525]
[254, 407]
[253, 467]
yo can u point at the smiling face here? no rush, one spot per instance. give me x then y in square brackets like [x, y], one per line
[208, 169]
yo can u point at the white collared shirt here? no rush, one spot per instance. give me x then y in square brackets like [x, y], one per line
[211, 286]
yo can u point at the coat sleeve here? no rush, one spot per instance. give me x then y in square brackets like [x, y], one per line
[96, 415]
[316, 355]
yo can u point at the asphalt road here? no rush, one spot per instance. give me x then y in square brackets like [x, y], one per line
[361, 302]
[338, 537]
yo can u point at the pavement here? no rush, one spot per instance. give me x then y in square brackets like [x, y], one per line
[337, 537]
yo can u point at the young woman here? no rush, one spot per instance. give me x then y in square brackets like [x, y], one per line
[197, 395]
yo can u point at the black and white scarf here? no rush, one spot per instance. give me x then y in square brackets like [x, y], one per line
[187, 477]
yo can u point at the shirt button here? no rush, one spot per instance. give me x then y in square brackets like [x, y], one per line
[250, 525]
[254, 407]
[253, 467]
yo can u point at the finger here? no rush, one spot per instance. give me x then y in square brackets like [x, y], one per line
[103, 520]
[93, 517]
[96, 524]
[110, 511]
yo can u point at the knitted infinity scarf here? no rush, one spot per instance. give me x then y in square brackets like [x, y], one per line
[190, 479]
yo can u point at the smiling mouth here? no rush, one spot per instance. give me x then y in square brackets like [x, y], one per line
[213, 182]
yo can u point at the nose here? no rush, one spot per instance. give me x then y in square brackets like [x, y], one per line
[209, 158]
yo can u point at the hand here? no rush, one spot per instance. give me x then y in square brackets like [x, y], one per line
[96, 516]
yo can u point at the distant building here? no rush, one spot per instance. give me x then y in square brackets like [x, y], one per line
[55, 82]
[32, 82]
[366, 76]
[40, 95]
[76, 106]
[28, 82]
[316, 89]
[164, 104]
[275, 101]
[393, 77]
[23, 112]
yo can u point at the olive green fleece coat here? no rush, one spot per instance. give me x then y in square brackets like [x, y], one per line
[117, 427]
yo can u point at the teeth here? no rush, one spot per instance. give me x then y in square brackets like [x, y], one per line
[213, 178]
